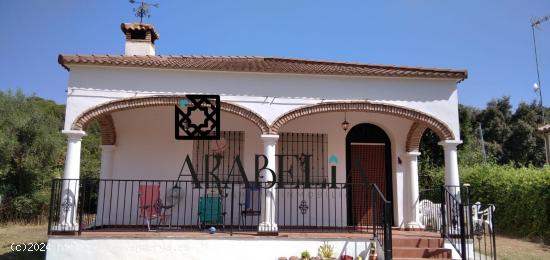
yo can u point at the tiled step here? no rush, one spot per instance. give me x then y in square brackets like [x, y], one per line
[410, 252]
[418, 242]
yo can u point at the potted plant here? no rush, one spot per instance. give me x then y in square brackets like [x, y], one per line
[306, 255]
[372, 252]
[326, 251]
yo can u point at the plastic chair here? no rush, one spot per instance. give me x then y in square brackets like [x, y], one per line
[151, 206]
[210, 211]
[247, 208]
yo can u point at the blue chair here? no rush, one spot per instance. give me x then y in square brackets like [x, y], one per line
[251, 205]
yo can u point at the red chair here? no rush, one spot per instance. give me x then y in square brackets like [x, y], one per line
[151, 206]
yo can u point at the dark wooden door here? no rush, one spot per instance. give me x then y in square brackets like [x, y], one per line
[369, 158]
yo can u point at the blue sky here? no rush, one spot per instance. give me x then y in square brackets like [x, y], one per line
[492, 39]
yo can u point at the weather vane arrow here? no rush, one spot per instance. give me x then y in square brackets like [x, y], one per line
[142, 10]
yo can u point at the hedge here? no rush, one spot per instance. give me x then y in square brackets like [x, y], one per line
[521, 196]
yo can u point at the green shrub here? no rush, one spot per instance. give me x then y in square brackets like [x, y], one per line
[521, 196]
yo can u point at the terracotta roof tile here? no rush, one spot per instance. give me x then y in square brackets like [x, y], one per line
[140, 27]
[262, 64]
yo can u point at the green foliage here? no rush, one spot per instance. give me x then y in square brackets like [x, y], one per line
[306, 255]
[509, 136]
[33, 152]
[91, 152]
[521, 195]
[326, 251]
[431, 154]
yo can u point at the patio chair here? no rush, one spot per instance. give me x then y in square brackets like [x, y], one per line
[210, 211]
[430, 215]
[247, 208]
[151, 206]
[482, 219]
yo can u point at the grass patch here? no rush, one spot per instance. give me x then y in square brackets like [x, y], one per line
[514, 248]
[19, 234]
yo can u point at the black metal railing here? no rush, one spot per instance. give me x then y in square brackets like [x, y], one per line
[469, 227]
[320, 208]
[482, 231]
[84, 205]
[453, 226]
[381, 221]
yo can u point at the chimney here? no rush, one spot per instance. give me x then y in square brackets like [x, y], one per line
[140, 38]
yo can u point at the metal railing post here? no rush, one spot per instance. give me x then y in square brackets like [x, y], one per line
[373, 203]
[81, 191]
[443, 216]
[232, 205]
[387, 232]
[462, 231]
[494, 242]
[50, 207]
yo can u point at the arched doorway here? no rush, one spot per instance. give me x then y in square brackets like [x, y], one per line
[368, 149]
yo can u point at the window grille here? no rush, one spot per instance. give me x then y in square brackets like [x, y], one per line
[293, 148]
[230, 145]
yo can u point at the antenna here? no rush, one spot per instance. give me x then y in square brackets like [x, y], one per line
[142, 10]
[535, 23]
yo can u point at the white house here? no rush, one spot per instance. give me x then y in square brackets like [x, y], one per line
[293, 111]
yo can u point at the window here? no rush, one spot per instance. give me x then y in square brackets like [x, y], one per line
[295, 148]
[230, 145]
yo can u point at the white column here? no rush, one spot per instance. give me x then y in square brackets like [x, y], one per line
[268, 223]
[451, 162]
[69, 195]
[410, 203]
[107, 161]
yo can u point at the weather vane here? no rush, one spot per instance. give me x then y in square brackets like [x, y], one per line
[143, 9]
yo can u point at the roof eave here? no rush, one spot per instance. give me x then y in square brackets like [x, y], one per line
[461, 75]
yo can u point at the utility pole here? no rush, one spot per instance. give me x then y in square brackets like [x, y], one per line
[535, 23]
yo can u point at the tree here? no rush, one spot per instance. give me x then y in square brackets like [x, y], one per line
[31, 151]
[470, 152]
[524, 146]
[495, 120]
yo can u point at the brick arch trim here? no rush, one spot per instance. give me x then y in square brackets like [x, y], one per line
[102, 113]
[413, 137]
[421, 120]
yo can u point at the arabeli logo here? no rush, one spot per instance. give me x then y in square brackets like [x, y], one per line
[197, 117]
[268, 179]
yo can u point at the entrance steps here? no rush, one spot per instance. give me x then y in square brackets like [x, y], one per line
[419, 248]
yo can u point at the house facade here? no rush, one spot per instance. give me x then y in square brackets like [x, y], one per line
[328, 131]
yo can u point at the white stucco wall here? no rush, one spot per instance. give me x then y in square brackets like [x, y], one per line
[268, 94]
[146, 147]
[330, 123]
[190, 249]
[147, 150]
